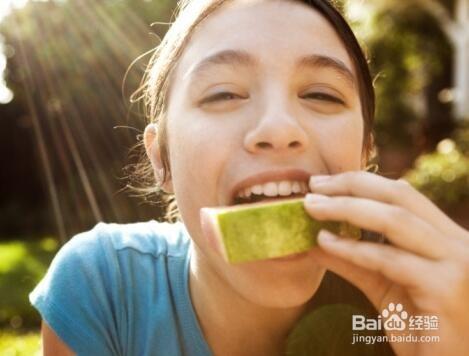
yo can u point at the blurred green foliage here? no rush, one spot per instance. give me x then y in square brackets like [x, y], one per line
[411, 59]
[22, 265]
[326, 331]
[71, 57]
[16, 344]
[443, 175]
[461, 138]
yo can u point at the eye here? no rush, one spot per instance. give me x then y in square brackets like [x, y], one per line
[222, 96]
[324, 97]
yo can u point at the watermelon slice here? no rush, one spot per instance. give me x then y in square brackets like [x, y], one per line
[250, 232]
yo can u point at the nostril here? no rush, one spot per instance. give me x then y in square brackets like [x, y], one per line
[294, 144]
[264, 145]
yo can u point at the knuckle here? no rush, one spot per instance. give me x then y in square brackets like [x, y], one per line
[351, 181]
[395, 217]
[397, 214]
[390, 256]
[358, 251]
[464, 266]
[387, 259]
[461, 252]
[403, 186]
[344, 202]
[349, 177]
[355, 176]
[457, 275]
[457, 272]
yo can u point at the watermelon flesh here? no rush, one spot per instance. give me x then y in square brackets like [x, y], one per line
[251, 232]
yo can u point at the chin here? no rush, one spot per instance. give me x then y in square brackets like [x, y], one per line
[288, 288]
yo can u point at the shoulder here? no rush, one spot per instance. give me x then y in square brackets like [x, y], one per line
[110, 253]
[152, 237]
[99, 279]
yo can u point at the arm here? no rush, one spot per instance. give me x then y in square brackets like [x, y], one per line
[51, 343]
[73, 302]
[424, 269]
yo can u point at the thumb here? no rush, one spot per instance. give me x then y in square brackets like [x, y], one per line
[371, 283]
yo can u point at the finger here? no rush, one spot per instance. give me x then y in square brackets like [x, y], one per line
[399, 266]
[394, 192]
[400, 226]
[373, 284]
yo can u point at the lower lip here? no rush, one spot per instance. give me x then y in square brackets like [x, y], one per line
[271, 199]
[295, 257]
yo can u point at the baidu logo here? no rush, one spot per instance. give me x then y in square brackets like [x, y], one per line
[395, 318]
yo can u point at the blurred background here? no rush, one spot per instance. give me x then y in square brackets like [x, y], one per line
[67, 127]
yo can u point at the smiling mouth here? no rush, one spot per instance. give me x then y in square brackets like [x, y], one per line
[254, 198]
[272, 186]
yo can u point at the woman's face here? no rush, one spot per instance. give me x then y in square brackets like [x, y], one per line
[264, 92]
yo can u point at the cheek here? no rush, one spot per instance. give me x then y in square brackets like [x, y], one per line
[199, 148]
[340, 142]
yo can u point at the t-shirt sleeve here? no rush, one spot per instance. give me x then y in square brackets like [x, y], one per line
[75, 298]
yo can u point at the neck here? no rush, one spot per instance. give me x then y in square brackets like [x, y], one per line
[232, 325]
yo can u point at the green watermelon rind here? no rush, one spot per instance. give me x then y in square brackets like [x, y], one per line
[259, 231]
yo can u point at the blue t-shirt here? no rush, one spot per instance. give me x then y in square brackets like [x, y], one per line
[123, 290]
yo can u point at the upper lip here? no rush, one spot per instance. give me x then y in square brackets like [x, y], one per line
[270, 176]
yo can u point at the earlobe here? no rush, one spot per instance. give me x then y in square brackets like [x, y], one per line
[150, 140]
[149, 137]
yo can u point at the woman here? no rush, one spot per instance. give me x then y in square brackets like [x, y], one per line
[241, 94]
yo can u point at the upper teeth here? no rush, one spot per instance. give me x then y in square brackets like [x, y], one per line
[273, 189]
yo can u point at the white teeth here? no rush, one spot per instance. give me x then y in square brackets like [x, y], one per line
[270, 189]
[284, 188]
[257, 189]
[273, 189]
[296, 188]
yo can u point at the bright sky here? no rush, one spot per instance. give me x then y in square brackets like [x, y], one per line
[6, 6]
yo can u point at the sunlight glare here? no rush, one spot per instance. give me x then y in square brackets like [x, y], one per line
[6, 6]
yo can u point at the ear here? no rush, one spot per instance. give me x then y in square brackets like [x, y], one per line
[150, 140]
[364, 161]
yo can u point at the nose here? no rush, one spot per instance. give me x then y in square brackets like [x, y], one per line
[276, 130]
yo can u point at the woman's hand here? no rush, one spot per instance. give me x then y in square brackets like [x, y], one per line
[426, 269]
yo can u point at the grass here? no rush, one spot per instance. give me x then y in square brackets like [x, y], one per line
[22, 265]
[14, 344]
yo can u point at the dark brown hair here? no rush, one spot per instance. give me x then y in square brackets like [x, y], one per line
[157, 80]
[154, 94]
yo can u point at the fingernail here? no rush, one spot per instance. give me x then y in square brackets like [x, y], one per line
[315, 198]
[319, 179]
[326, 237]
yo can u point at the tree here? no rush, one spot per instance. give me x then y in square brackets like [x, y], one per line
[411, 57]
[68, 68]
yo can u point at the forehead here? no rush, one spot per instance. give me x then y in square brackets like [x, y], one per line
[275, 32]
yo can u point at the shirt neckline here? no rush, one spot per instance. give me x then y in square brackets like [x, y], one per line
[189, 317]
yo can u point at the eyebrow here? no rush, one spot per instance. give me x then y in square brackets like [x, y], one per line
[241, 58]
[320, 61]
[226, 57]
